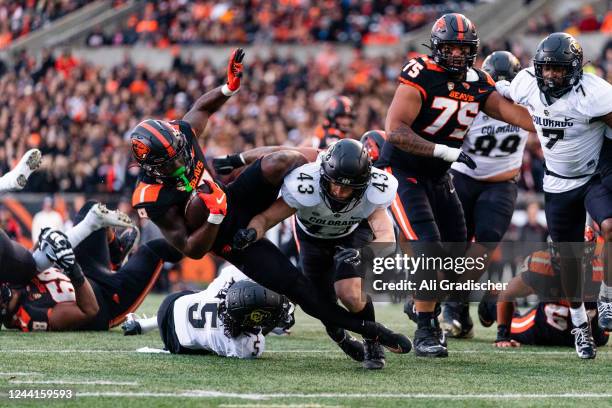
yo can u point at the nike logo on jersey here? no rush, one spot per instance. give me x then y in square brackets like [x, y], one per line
[481, 91]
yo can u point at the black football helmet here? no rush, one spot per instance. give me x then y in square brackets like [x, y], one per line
[346, 163]
[373, 141]
[501, 65]
[248, 306]
[162, 151]
[560, 50]
[337, 107]
[454, 29]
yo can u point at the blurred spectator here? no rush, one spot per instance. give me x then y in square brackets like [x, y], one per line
[532, 231]
[9, 225]
[47, 217]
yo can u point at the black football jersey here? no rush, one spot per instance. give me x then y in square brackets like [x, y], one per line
[38, 298]
[448, 108]
[152, 199]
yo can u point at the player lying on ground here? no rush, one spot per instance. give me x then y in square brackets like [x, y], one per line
[488, 192]
[435, 103]
[550, 322]
[340, 203]
[230, 318]
[81, 292]
[571, 111]
[173, 168]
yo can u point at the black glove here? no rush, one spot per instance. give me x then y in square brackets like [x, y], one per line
[467, 160]
[75, 273]
[244, 237]
[56, 247]
[350, 256]
[225, 165]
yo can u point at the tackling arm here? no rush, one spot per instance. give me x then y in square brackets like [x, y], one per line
[226, 164]
[502, 109]
[270, 217]
[67, 316]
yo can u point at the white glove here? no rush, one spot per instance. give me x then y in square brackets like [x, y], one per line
[503, 87]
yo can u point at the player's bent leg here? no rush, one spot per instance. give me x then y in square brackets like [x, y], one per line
[604, 302]
[17, 178]
[16, 263]
[264, 263]
[276, 166]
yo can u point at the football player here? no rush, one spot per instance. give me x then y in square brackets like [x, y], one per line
[549, 323]
[338, 124]
[80, 291]
[340, 204]
[570, 110]
[488, 192]
[16, 262]
[437, 99]
[230, 318]
[373, 140]
[173, 168]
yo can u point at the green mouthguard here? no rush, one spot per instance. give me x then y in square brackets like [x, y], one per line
[180, 174]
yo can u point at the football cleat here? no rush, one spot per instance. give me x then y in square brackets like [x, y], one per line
[427, 343]
[352, 347]
[374, 357]
[604, 309]
[583, 340]
[131, 327]
[103, 217]
[487, 311]
[456, 320]
[394, 342]
[17, 178]
[128, 241]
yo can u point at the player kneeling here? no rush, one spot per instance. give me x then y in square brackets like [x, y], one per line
[230, 318]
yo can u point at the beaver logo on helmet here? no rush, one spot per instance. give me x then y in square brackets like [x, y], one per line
[140, 149]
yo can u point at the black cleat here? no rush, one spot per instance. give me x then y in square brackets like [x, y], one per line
[427, 343]
[604, 309]
[456, 320]
[583, 340]
[394, 342]
[374, 358]
[131, 327]
[128, 240]
[487, 311]
[352, 347]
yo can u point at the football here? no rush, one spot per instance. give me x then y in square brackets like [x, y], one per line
[196, 211]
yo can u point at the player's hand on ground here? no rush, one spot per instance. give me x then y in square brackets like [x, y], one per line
[244, 237]
[467, 160]
[234, 70]
[225, 165]
[349, 256]
[508, 343]
[215, 201]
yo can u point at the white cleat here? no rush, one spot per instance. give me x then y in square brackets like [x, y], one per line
[17, 178]
[103, 217]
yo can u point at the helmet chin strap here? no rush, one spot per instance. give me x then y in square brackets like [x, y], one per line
[180, 174]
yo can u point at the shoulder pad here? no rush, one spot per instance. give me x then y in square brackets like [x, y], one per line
[183, 127]
[382, 188]
[301, 186]
[145, 193]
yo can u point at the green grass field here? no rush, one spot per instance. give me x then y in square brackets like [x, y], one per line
[304, 369]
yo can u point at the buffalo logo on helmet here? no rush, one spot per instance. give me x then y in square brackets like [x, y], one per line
[140, 149]
[575, 47]
[257, 316]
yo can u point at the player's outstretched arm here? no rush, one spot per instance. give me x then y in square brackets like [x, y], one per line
[502, 109]
[226, 164]
[211, 101]
[69, 315]
[505, 310]
[262, 222]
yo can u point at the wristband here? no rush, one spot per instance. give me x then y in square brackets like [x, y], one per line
[215, 218]
[228, 92]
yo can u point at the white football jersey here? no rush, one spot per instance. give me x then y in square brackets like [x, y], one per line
[301, 190]
[197, 325]
[495, 147]
[570, 137]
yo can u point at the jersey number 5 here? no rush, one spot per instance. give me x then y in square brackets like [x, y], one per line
[199, 323]
[466, 112]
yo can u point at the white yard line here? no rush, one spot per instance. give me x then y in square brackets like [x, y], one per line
[19, 374]
[217, 394]
[75, 382]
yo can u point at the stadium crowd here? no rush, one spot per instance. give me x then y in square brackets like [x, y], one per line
[79, 114]
[289, 21]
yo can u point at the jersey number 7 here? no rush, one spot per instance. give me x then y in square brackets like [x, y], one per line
[554, 135]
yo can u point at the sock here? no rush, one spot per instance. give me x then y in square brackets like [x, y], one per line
[605, 291]
[579, 316]
[425, 319]
[337, 334]
[83, 229]
[367, 313]
[9, 182]
[147, 325]
[41, 260]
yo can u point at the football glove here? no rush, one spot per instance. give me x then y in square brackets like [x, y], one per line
[56, 247]
[244, 237]
[215, 201]
[350, 256]
[451, 154]
[225, 165]
[467, 160]
[234, 72]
